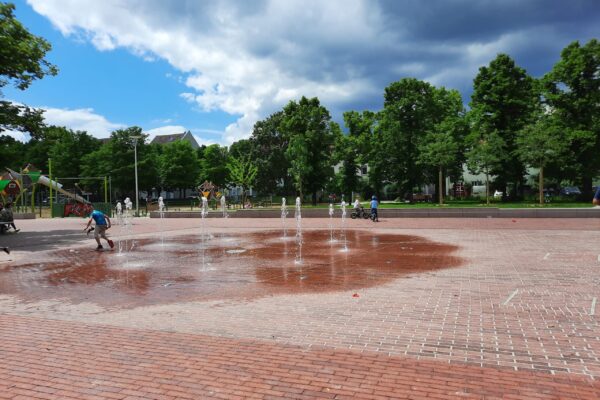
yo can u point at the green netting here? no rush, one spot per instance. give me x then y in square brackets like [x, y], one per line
[58, 210]
[35, 176]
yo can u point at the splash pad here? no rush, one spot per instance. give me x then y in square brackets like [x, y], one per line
[244, 266]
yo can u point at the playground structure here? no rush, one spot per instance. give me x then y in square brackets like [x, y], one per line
[14, 186]
[43, 180]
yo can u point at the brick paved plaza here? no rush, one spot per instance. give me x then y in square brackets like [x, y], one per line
[417, 308]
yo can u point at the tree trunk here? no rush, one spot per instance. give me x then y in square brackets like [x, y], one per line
[314, 198]
[587, 187]
[440, 186]
[541, 185]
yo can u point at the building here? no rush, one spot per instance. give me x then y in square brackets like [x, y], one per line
[185, 136]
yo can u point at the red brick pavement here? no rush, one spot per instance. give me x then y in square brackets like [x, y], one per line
[47, 359]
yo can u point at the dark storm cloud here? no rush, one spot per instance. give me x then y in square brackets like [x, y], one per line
[465, 21]
[249, 58]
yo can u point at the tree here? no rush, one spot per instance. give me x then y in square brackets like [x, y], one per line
[178, 165]
[439, 150]
[117, 160]
[504, 98]
[542, 143]
[268, 148]
[311, 135]
[442, 147]
[242, 172]
[484, 156]
[356, 149]
[242, 148]
[21, 62]
[572, 91]
[409, 113]
[346, 154]
[12, 152]
[213, 165]
[68, 149]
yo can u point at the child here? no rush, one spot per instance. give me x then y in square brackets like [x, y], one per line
[102, 224]
[374, 205]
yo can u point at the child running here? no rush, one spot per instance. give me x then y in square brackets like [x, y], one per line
[102, 224]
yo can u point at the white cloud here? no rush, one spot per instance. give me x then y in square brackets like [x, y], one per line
[218, 53]
[17, 135]
[250, 58]
[83, 119]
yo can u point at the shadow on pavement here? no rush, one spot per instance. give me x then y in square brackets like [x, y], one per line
[44, 240]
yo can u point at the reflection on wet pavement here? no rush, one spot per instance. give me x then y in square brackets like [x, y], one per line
[237, 266]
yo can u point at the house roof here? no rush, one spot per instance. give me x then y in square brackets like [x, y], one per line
[164, 139]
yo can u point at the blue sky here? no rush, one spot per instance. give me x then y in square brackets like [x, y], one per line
[124, 88]
[216, 67]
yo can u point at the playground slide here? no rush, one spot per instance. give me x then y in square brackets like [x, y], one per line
[44, 180]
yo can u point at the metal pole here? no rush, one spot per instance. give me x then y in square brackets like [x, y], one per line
[105, 190]
[110, 189]
[137, 206]
[50, 176]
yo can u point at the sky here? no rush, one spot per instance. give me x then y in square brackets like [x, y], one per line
[217, 67]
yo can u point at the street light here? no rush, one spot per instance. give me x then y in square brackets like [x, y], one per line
[137, 206]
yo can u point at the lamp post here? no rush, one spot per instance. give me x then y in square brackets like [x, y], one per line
[137, 206]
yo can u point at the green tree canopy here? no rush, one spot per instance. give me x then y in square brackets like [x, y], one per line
[268, 148]
[68, 149]
[572, 90]
[22, 60]
[542, 143]
[311, 135]
[504, 100]
[179, 167]
[409, 113]
[12, 152]
[214, 165]
[484, 155]
[242, 172]
[442, 148]
[116, 159]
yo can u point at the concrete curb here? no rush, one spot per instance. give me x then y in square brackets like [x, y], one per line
[406, 213]
[23, 215]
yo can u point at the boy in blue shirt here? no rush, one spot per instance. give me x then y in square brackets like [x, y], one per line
[102, 224]
[374, 205]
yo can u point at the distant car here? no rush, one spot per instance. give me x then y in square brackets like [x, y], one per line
[498, 195]
[570, 191]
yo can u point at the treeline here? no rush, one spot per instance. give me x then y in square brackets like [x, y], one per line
[422, 134]
[174, 167]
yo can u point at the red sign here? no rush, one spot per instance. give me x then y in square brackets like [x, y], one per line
[78, 209]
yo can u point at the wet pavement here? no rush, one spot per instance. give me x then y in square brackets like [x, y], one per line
[432, 308]
[223, 266]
